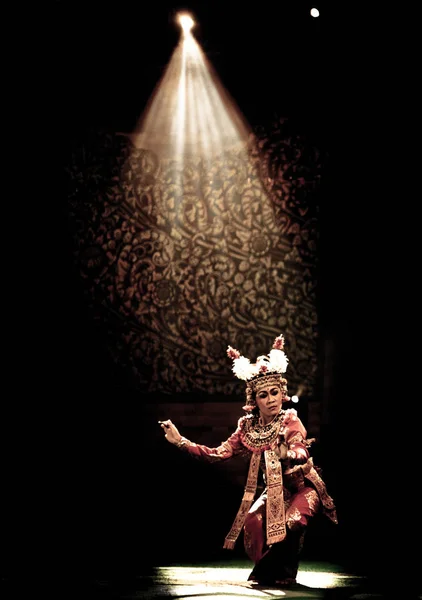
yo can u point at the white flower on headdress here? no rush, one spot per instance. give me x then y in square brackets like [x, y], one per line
[274, 362]
[262, 364]
[278, 361]
[243, 369]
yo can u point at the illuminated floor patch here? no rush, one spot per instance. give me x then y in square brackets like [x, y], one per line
[194, 583]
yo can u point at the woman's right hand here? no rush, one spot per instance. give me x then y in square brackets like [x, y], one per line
[172, 434]
[281, 450]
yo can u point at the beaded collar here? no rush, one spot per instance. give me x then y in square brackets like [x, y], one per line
[258, 437]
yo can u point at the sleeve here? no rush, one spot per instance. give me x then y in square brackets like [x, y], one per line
[295, 438]
[231, 447]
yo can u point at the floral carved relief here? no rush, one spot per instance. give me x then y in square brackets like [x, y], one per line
[180, 258]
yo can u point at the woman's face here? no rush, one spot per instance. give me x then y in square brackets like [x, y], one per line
[268, 401]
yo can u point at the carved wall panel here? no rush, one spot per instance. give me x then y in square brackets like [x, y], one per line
[180, 258]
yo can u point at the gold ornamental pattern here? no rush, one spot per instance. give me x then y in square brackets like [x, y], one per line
[178, 259]
[258, 437]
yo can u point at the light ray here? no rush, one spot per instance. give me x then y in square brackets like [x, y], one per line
[190, 113]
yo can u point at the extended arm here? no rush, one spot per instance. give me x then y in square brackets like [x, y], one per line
[225, 450]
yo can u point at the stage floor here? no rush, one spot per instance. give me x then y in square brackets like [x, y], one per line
[228, 581]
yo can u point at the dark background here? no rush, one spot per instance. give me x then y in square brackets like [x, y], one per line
[80, 500]
[270, 57]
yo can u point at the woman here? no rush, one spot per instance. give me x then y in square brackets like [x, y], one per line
[276, 442]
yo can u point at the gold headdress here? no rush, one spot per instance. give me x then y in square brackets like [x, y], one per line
[267, 370]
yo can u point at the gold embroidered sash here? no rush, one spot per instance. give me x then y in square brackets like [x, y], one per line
[276, 524]
[248, 496]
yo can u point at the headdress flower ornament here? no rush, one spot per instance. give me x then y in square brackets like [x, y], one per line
[267, 370]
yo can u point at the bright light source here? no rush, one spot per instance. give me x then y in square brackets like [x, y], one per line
[314, 12]
[190, 112]
[295, 398]
[186, 22]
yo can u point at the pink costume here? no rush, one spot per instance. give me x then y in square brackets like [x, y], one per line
[273, 525]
